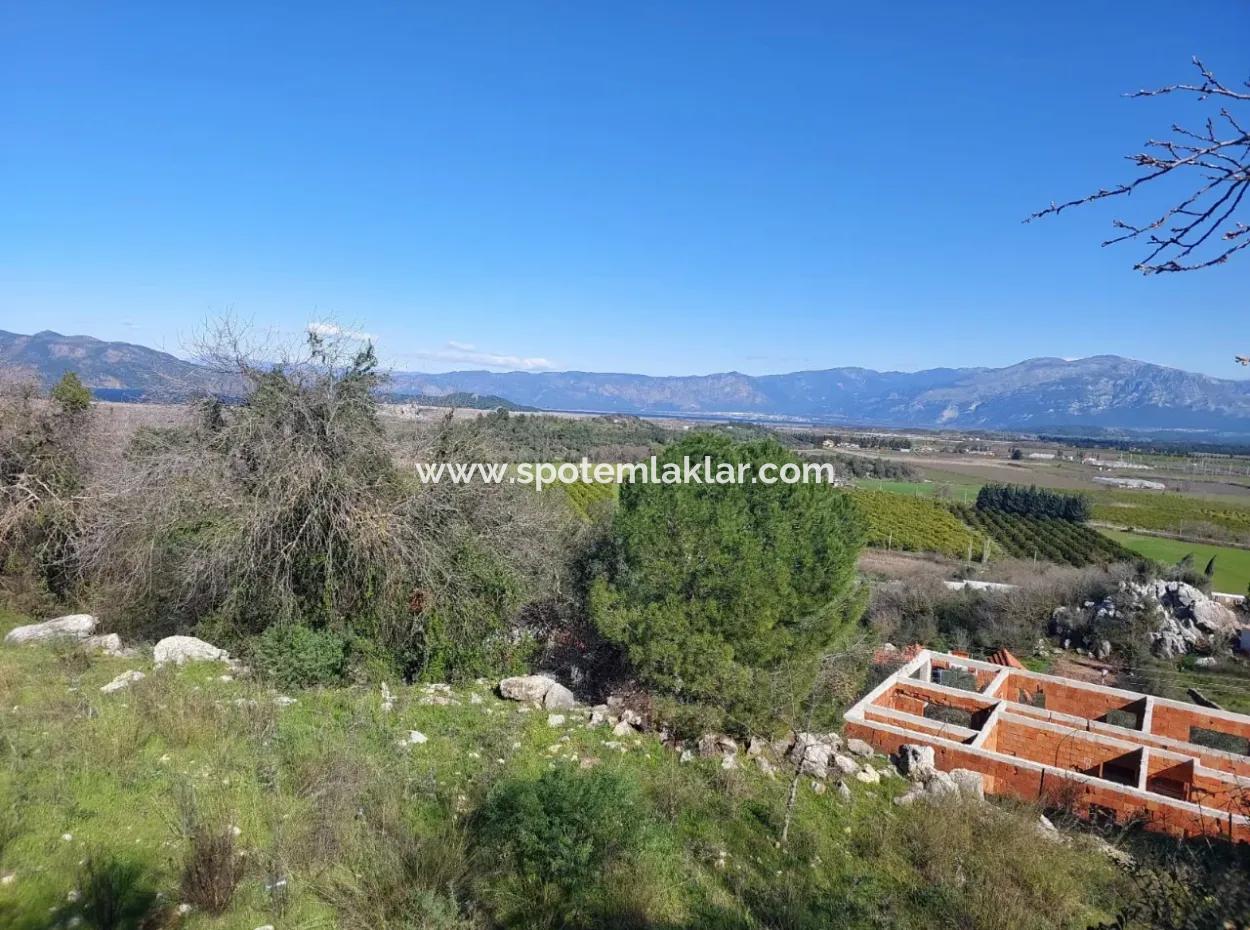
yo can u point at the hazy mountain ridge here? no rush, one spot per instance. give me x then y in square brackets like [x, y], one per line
[1100, 392]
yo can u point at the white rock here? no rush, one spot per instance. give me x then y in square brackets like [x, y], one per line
[124, 680]
[72, 626]
[537, 689]
[475, 698]
[845, 764]
[110, 644]
[416, 737]
[183, 649]
[868, 775]
[623, 729]
[555, 720]
[969, 783]
[843, 791]
[859, 747]
[184, 909]
[8, 878]
[559, 697]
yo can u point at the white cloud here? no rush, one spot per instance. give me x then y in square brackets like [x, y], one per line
[463, 353]
[333, 330]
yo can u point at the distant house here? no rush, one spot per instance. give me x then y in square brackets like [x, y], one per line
[1132, 484]
[1042, 456]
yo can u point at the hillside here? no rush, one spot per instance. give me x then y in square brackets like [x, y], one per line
[1096, 394]
[129, 372]
[320, 808]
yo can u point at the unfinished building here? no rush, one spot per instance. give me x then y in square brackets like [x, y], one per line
[1109, 754]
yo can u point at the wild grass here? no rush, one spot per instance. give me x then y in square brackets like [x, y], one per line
[189, 789]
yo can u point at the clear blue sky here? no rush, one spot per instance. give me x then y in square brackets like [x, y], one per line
[652, 187]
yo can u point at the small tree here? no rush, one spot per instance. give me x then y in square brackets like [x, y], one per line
[725, 596]
[71, 394]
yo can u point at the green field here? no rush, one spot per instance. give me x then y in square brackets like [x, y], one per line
[1232, 566]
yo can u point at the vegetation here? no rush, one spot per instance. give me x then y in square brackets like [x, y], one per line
[1174, 513]
[1047, 538]
[915, 524]
[1033, 501]
[1232, 566]
[333, 824]
[545, 438]
[724, 597]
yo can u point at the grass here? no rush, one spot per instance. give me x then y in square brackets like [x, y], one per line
[113, 804]
[1232, 566]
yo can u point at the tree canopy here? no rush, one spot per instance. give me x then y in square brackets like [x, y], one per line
[727, 595]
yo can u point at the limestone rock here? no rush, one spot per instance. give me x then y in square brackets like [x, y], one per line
[72, 626]
[970, 784]
[868, 775]
[183, 649]
[124, 680]
[538, 689]
[860, 748]
[845, 764]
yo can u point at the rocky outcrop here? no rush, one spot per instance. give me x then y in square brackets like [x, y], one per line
[71, 627]
[1182, 618]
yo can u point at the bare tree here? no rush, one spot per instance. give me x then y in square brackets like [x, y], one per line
[1202, 229]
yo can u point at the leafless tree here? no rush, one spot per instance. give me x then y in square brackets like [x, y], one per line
[1203, 228]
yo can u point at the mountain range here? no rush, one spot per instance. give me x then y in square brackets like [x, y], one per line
[1097, 394]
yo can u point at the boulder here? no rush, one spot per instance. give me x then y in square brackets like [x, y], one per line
[72, 626]
[183, 649]
[110, 644]
[124, 680]
[845, 764]
[860, 748]
[915, 762]
[538, 689]
[970, 784]
[868, 775]
[529, 688]
[1214, 618]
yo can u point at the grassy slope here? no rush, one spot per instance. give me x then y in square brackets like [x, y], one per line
[1232, 566]
[322, 794]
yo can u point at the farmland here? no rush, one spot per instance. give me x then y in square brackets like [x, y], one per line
[1174, 513]
[1232, 566]
[915, 524]
[1055, 540]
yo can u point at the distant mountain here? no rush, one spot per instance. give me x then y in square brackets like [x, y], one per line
[114, 370]
[1098, 394]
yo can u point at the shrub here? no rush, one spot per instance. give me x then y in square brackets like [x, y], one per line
[211, 870]
[116, 893]
[295, 656]
[557, 836]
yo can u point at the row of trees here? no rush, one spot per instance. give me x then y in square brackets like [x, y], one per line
[1033, 501]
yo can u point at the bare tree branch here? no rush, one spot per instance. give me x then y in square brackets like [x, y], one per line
[1201, 230]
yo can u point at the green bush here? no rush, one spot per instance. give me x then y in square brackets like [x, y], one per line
[296, 656]
[558, 836]
[727, 595]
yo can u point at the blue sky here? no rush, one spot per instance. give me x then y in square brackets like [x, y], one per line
[665, 188]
